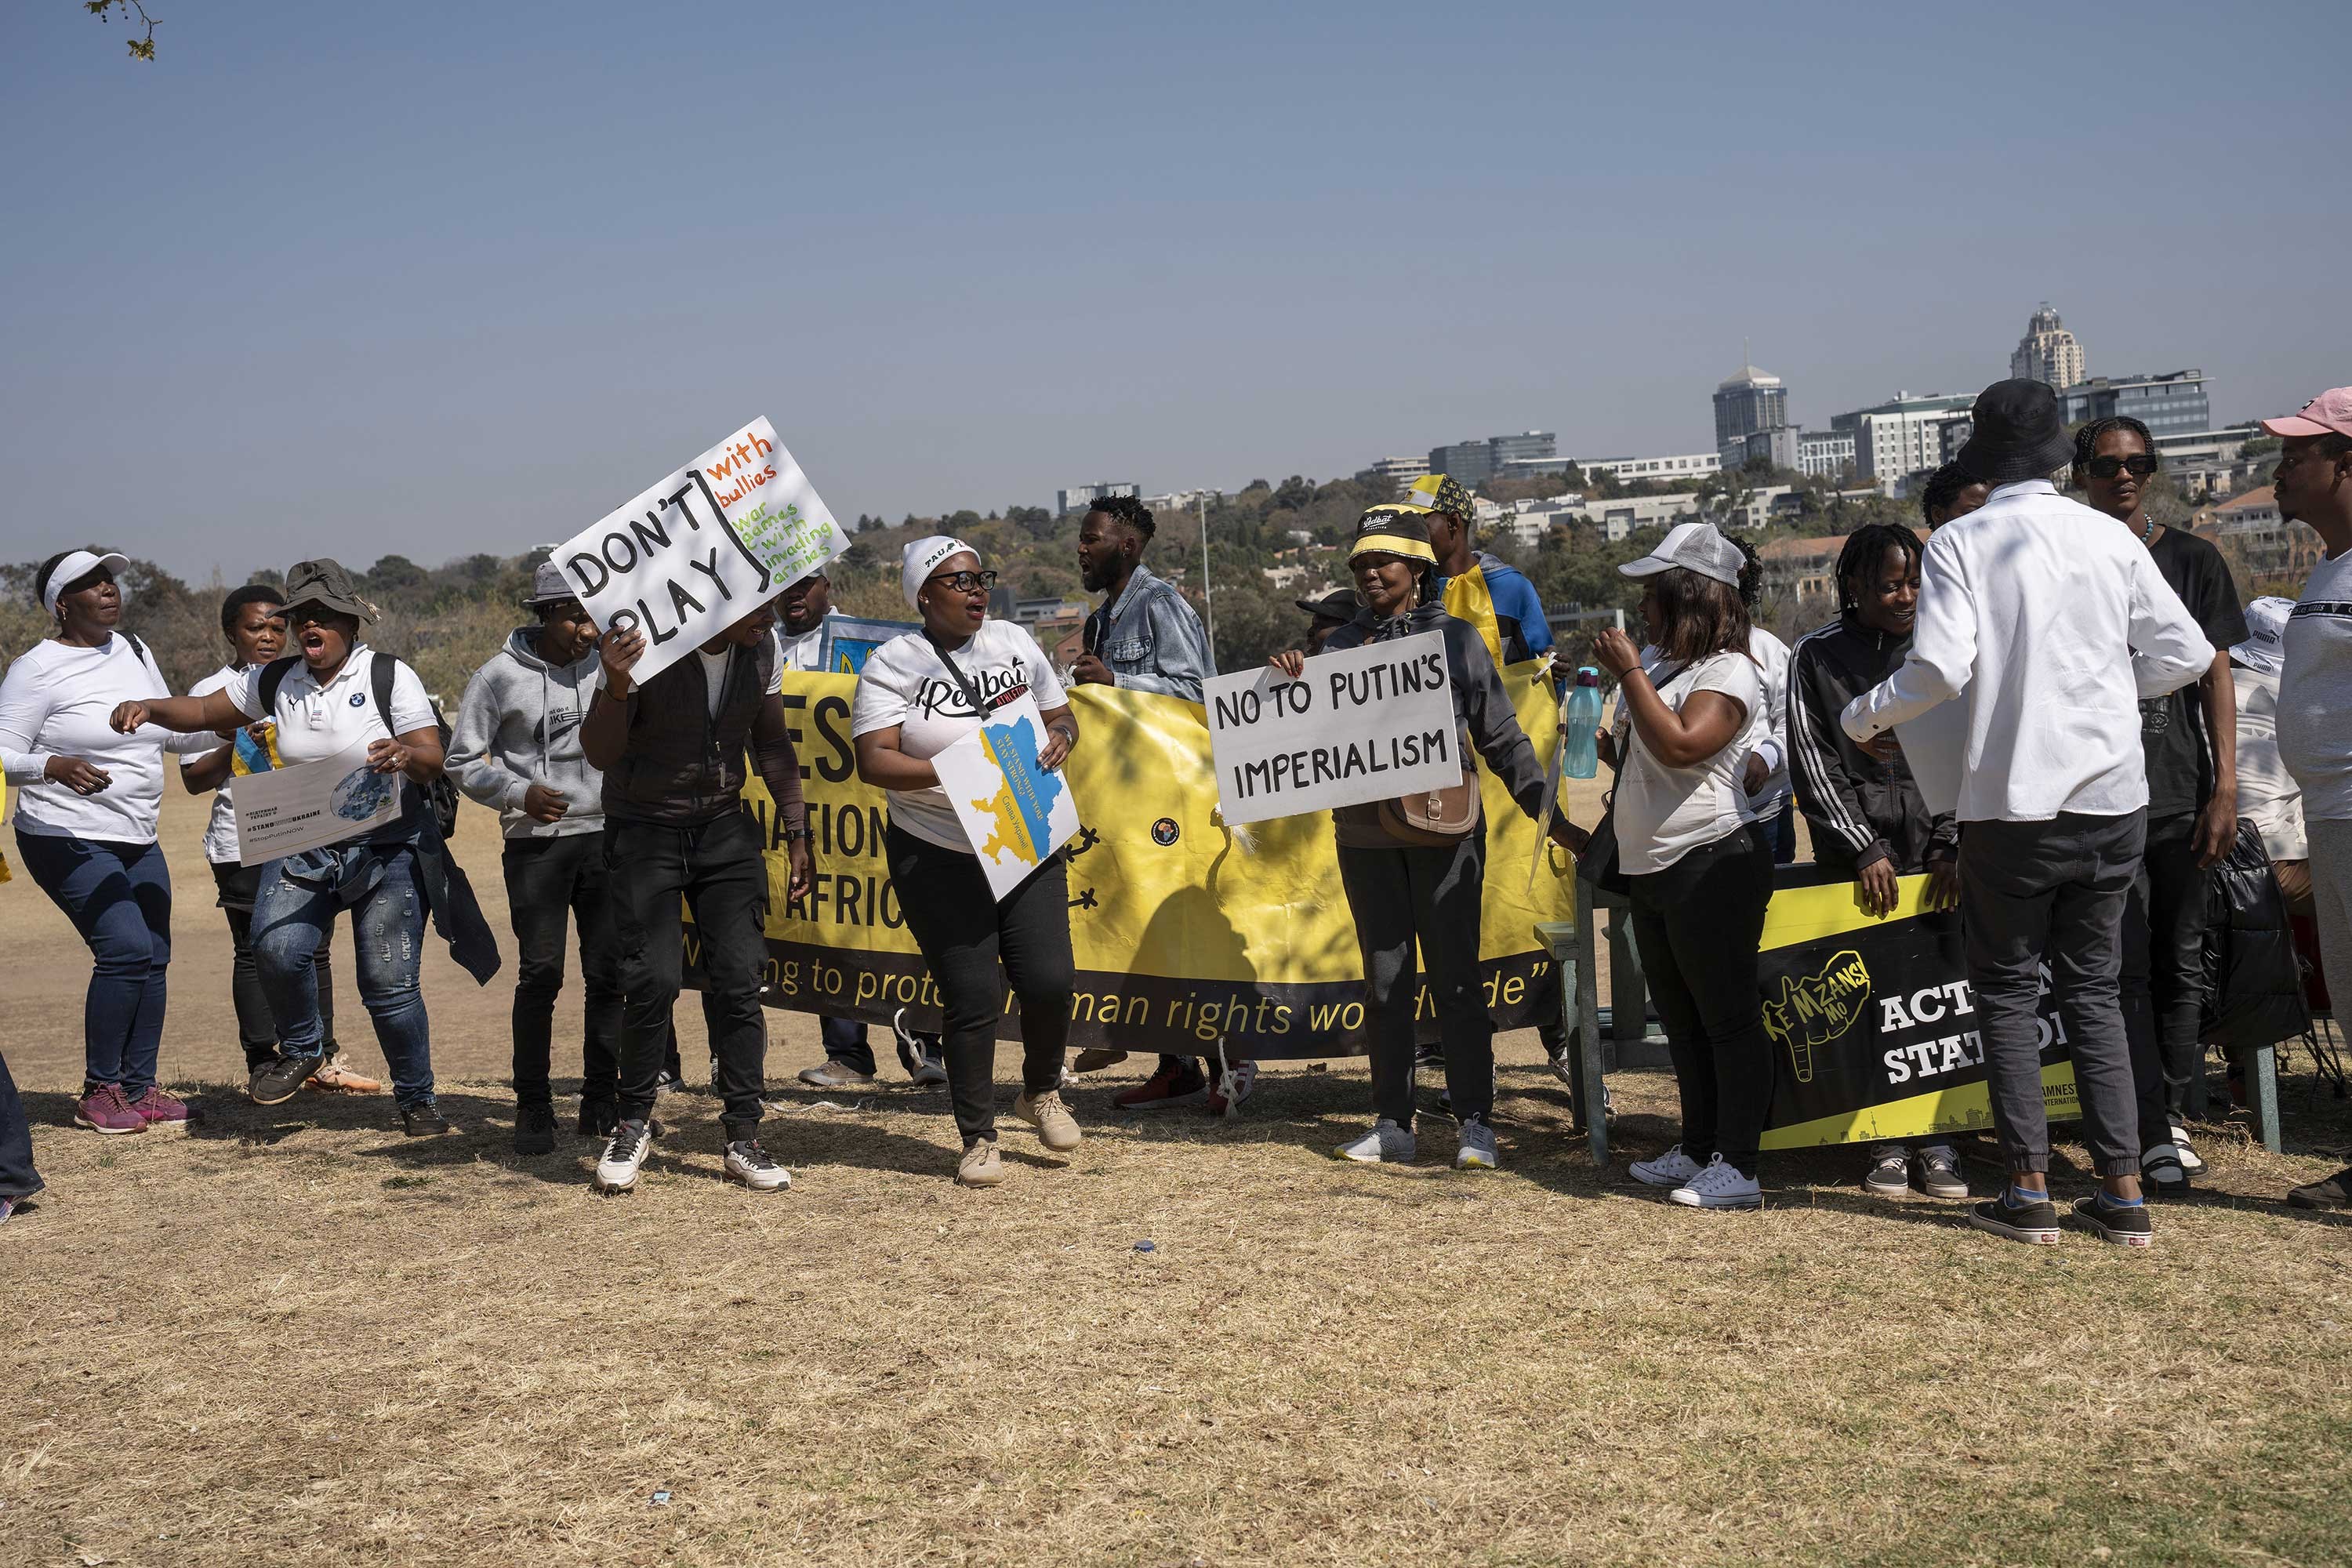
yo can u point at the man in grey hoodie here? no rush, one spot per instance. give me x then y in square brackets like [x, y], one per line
[516, 746]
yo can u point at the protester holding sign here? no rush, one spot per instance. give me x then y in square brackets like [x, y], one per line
[919, 694]
[2190, 751]
[87, 797]
[253, 619]
[1868, 819]
[1417, 876]
[672, 754]
[1698, 878]
[2050, 624]
[337, 694]
[515, 749]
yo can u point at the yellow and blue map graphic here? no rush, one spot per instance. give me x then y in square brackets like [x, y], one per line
[1022, 807]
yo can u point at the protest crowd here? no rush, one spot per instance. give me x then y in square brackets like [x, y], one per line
[2050, 722]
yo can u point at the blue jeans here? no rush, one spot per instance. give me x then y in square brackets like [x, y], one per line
[292, 912]
[119, 897]
[18, 1177]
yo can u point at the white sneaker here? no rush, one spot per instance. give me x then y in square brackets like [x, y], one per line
[1386, 1144]
[1671, 1169]
[1719, 1186]
[624, 1153]
[2191, 1161]
[749, 1164]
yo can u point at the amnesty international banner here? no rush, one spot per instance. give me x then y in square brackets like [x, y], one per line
[1186, 931]
[1874, 1029]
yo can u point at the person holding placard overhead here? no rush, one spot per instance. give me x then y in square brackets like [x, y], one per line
[333, 695]
[1412, 881]
[920, 693]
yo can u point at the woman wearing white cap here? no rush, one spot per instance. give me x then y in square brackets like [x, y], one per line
[1699, 879]
[920, 693]
[87, 801]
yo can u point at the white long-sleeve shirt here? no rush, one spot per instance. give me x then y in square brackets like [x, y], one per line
[1767, 730]
[2049, 620]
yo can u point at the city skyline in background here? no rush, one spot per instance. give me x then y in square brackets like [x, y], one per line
[446, 281]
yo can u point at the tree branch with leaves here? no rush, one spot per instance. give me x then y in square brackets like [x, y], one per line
[142, 47]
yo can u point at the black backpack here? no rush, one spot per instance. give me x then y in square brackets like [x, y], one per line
[440, 795]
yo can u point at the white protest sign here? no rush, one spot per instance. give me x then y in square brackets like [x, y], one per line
[1014, 812]
[287, 810]
[704, 548]
[1363, 724]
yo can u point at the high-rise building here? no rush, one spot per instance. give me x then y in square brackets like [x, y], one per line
[1470, 463]
[1751, 401]
[1078, 498]
[2172, 405]
[1473, 463]
[1528, 447]
[2048, 352]
[1824, 454]
[1901, 434]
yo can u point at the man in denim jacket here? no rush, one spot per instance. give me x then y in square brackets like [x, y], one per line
[1145, 638]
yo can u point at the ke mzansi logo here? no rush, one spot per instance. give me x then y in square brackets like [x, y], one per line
[1813, 1011]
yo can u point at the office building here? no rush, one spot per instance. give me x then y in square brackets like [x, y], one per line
[2048, 352]
[1398, 471]
[2170, 404]
[1473, 463]
[1824, 454]
[1901, 434]
[1746, 403]
[1777, 446]
[1507, 452]
[1618, 519]
[1683, 465]
[1469, 463]
[1078, 498]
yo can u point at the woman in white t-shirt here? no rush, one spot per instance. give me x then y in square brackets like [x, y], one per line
[326, 704]
[253, 620]
[920, 693]
[1700, 879]
[87, 800]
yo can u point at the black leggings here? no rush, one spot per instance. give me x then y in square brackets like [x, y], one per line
[256, 1031]
[963, 931]
[1432, 893]
[1697, 923]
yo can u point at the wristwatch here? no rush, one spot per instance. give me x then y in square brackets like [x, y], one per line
[791, 833]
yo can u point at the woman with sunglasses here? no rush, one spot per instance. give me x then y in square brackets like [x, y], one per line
[2189, 745]
[920, 693]
[1408, 888]
[87, 802]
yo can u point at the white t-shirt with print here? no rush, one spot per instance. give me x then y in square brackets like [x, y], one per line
[2315, 700]
[315, 725]
[905, 683]
[1663, 812]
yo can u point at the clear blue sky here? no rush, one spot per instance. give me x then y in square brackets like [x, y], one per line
[440, 277]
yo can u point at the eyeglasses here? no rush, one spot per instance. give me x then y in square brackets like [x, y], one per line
[2139, 464]
[966, 581]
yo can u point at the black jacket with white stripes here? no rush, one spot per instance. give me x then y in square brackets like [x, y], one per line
[1860, 810]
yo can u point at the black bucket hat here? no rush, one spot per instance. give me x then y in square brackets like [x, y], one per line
[2019, 433]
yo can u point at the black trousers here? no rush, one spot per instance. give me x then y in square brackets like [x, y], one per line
[547, 881]
[18, 1177]
[1697, 923]
[973, 946]
[256, 1031]
[2053, 892]
[2163, 976]
[1432, 894]
[717, 869]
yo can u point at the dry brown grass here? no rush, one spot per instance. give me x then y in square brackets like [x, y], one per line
[292, 1337]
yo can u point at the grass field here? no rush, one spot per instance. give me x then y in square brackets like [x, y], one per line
[290, 1336]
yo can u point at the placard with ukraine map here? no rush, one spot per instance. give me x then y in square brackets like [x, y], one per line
[1015, 813]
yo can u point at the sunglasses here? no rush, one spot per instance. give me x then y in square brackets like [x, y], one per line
[2139, 464]
[966, 581]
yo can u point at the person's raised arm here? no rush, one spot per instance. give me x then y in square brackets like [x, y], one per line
[213, 711]
[605, 732]
[1943, 647]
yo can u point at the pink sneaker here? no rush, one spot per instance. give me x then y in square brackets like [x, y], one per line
[161, 1110]
[104, 1110]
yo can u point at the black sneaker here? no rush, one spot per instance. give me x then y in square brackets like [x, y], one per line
[423, 1120]
[1889, 1176]
[282, 1078]
[2333, 1192]
[534, 1129]
[2120, 1225]
[2162, 1174]
[2035, 1223]
[598, 1118]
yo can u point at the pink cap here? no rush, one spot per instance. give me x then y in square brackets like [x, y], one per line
[2330, 412]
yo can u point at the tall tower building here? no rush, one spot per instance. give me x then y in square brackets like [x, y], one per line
[1748, 404]
[2048, 352]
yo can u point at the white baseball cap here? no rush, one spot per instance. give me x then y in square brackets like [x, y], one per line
[1695, 547]
[74, 565]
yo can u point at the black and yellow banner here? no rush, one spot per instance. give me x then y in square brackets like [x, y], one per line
[1185, 930]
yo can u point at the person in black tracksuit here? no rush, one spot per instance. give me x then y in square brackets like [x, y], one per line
[1867, 818]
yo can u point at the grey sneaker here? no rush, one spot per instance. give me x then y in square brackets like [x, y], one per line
[749, 1164]
[422, 1119]
[831, 1074]
[277, 1081]
[1385, 1144]
[1940, 1175]
[1477, 1151]
[1889, 1176]
[1671, 1169]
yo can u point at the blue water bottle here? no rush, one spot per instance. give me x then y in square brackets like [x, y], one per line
[1583, 719]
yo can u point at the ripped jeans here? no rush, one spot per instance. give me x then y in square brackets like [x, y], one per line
[292, 912]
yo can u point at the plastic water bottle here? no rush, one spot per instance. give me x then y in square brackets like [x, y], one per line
[1583, 719]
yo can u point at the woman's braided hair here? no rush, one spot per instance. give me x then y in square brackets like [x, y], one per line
[1865, 547]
